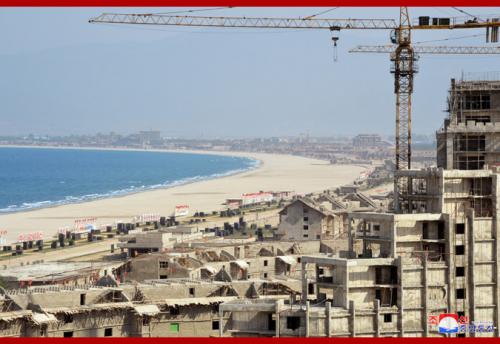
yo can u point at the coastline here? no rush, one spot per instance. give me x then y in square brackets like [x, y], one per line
[124, 192]
[274, 172]
[128, 149]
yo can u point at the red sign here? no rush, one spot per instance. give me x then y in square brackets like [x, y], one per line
[30, 237]
[433, 320]
[181, 210]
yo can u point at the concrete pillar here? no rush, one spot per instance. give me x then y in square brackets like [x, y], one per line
[304, 283]
[424, 297]
[221, 322]
[307, 319]
[441, 182]
[393, 237]
[277, 315]
[449, 152]
[346, 284]
[328, 319]
[470, 282]
[350, 240]
[316, 288]
[496, 230]
[400, 297]
[352, 320]
[450, 238]
[376, 304]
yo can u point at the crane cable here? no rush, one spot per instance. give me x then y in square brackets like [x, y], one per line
[320, 13]
[335, 37]
[466, 13]
[197, 10]
[449, 39]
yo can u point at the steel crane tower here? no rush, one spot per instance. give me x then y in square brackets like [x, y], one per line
[403, 56]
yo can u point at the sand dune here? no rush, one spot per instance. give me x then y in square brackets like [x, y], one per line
[277, 172]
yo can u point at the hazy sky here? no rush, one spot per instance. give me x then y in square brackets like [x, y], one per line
[62, 75]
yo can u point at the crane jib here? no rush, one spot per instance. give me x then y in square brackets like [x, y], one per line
[246, 22]
[280, 23]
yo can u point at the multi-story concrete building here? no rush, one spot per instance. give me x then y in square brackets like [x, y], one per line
[438, 254]
[469, 139]
[304, 219]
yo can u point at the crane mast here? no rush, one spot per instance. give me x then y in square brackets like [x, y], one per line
[403, 69]
[403, 56]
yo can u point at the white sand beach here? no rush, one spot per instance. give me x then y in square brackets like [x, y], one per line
[276, 172]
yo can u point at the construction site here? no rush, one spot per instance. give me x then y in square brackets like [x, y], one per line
[339, 263]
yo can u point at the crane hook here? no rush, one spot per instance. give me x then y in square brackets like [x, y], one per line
[335, 54]
[335, 37]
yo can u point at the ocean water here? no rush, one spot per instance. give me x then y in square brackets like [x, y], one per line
[39, 177]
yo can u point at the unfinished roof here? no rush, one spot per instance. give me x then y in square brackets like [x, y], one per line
[241, 263]
[209, 268]
[41, 318]
[50, 271]
[364, 200]
[199, 300]
[287, 259]
[336, 204]
[89, 308]
[11, 316]
[147, 309]
[311, 204]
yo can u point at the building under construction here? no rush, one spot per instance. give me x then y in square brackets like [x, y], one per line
[469, 139]
[398, 273]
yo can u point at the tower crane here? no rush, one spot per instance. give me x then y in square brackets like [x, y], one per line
[403, 55]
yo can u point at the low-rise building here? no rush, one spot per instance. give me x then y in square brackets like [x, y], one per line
[167, 308]
[159, 240]
[304, 219]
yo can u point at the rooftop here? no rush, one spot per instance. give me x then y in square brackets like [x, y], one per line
[50, 271]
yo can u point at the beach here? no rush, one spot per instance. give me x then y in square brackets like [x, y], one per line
[275, 173]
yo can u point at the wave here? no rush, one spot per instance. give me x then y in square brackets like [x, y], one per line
[253, 164]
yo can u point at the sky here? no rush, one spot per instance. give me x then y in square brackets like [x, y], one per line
[61, 75]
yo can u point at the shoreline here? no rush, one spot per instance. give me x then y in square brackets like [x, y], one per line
[275, 172]
[123, 192]
[153, 150]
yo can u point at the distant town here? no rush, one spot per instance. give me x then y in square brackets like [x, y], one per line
[360, 149]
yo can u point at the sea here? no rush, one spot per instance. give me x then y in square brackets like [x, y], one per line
[32, 178]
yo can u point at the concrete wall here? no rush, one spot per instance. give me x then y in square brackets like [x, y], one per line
[297, 216]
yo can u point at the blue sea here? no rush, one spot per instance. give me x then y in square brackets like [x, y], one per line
[40, 177]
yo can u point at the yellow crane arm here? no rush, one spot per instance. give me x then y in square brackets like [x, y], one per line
[245, 22]
[286, 23]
